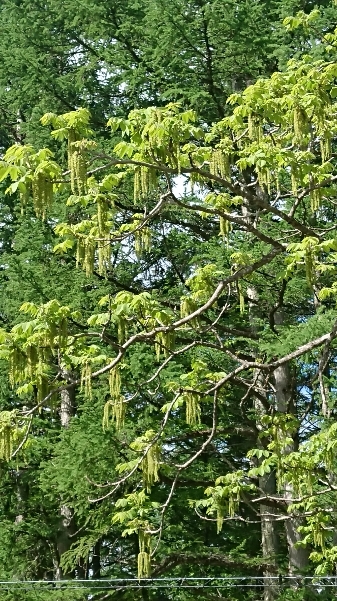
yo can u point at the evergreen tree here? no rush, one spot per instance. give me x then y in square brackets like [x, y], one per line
[201, 329]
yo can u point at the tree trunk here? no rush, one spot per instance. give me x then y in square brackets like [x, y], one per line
[96, 561]
[284, 393]
[65, 524]
[267, 485]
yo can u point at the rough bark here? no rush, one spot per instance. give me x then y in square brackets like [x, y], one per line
[96, 561]
[267, 485]
[66, 527]
[284, 393]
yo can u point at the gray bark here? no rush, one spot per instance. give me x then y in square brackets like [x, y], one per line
[65, 523]
[284, 393]
[267, 485]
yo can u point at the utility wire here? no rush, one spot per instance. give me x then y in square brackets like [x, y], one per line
[155, 583]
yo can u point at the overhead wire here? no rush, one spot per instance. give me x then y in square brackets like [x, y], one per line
[174, 582]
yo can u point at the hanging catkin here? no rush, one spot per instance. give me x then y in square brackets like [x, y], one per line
[315, 198]
[187, 307]
[241, 297]
[89, 255]
[32, 359]
[193, 411]
[225, 227]
[7, 432]
[136, 185]
[300, 122]
[142, 241]
[78, 173]
[42, 387]
[150, 466]
[72, 138]
[164, 342]
[86, 379]
[42, 189]
[220, 164]
[325, 144]
[255, 132]
[80, 251]
[115, 382]
[102, 215]
[220, 514]
[121, 329]
[17, 366]
[144, 555]
[264, 177]
[104, 255]
[114, 408]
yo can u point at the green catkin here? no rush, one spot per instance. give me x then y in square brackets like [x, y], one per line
[277, 183]
[241, 298]
[220, 514]
[233, 502]
[264, 177]
[164, 342]
[17, 366]
[250, 127]
[309, 266]
[100, 252]
[24, 198]
[144, 180]
[300, 123]
[42, 189]
[157, 346]
[255, 132]
[104, 255]
[103, 260]
[294, 182]
[325, 145]
[102, 216]
[86, 380]
[50, 335]
[219, 164]
[144, 555]
[142, 241]
[119, 412]
[178, 158]
[80, 252]
[225, 228]
[121, 330]
[37, 190]
[78, 175]
[42, 387]
[193, 411]
[116, 409]
[7, 434]
[193, 181]
[153, 179]
[115, 382]
[188, 306]
[150, 466]
[136, 185]
[72, 138]
[315, 199]
[32, 359]
[116, 406]
[89, 256]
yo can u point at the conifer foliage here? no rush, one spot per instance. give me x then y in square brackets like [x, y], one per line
[189, 343]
